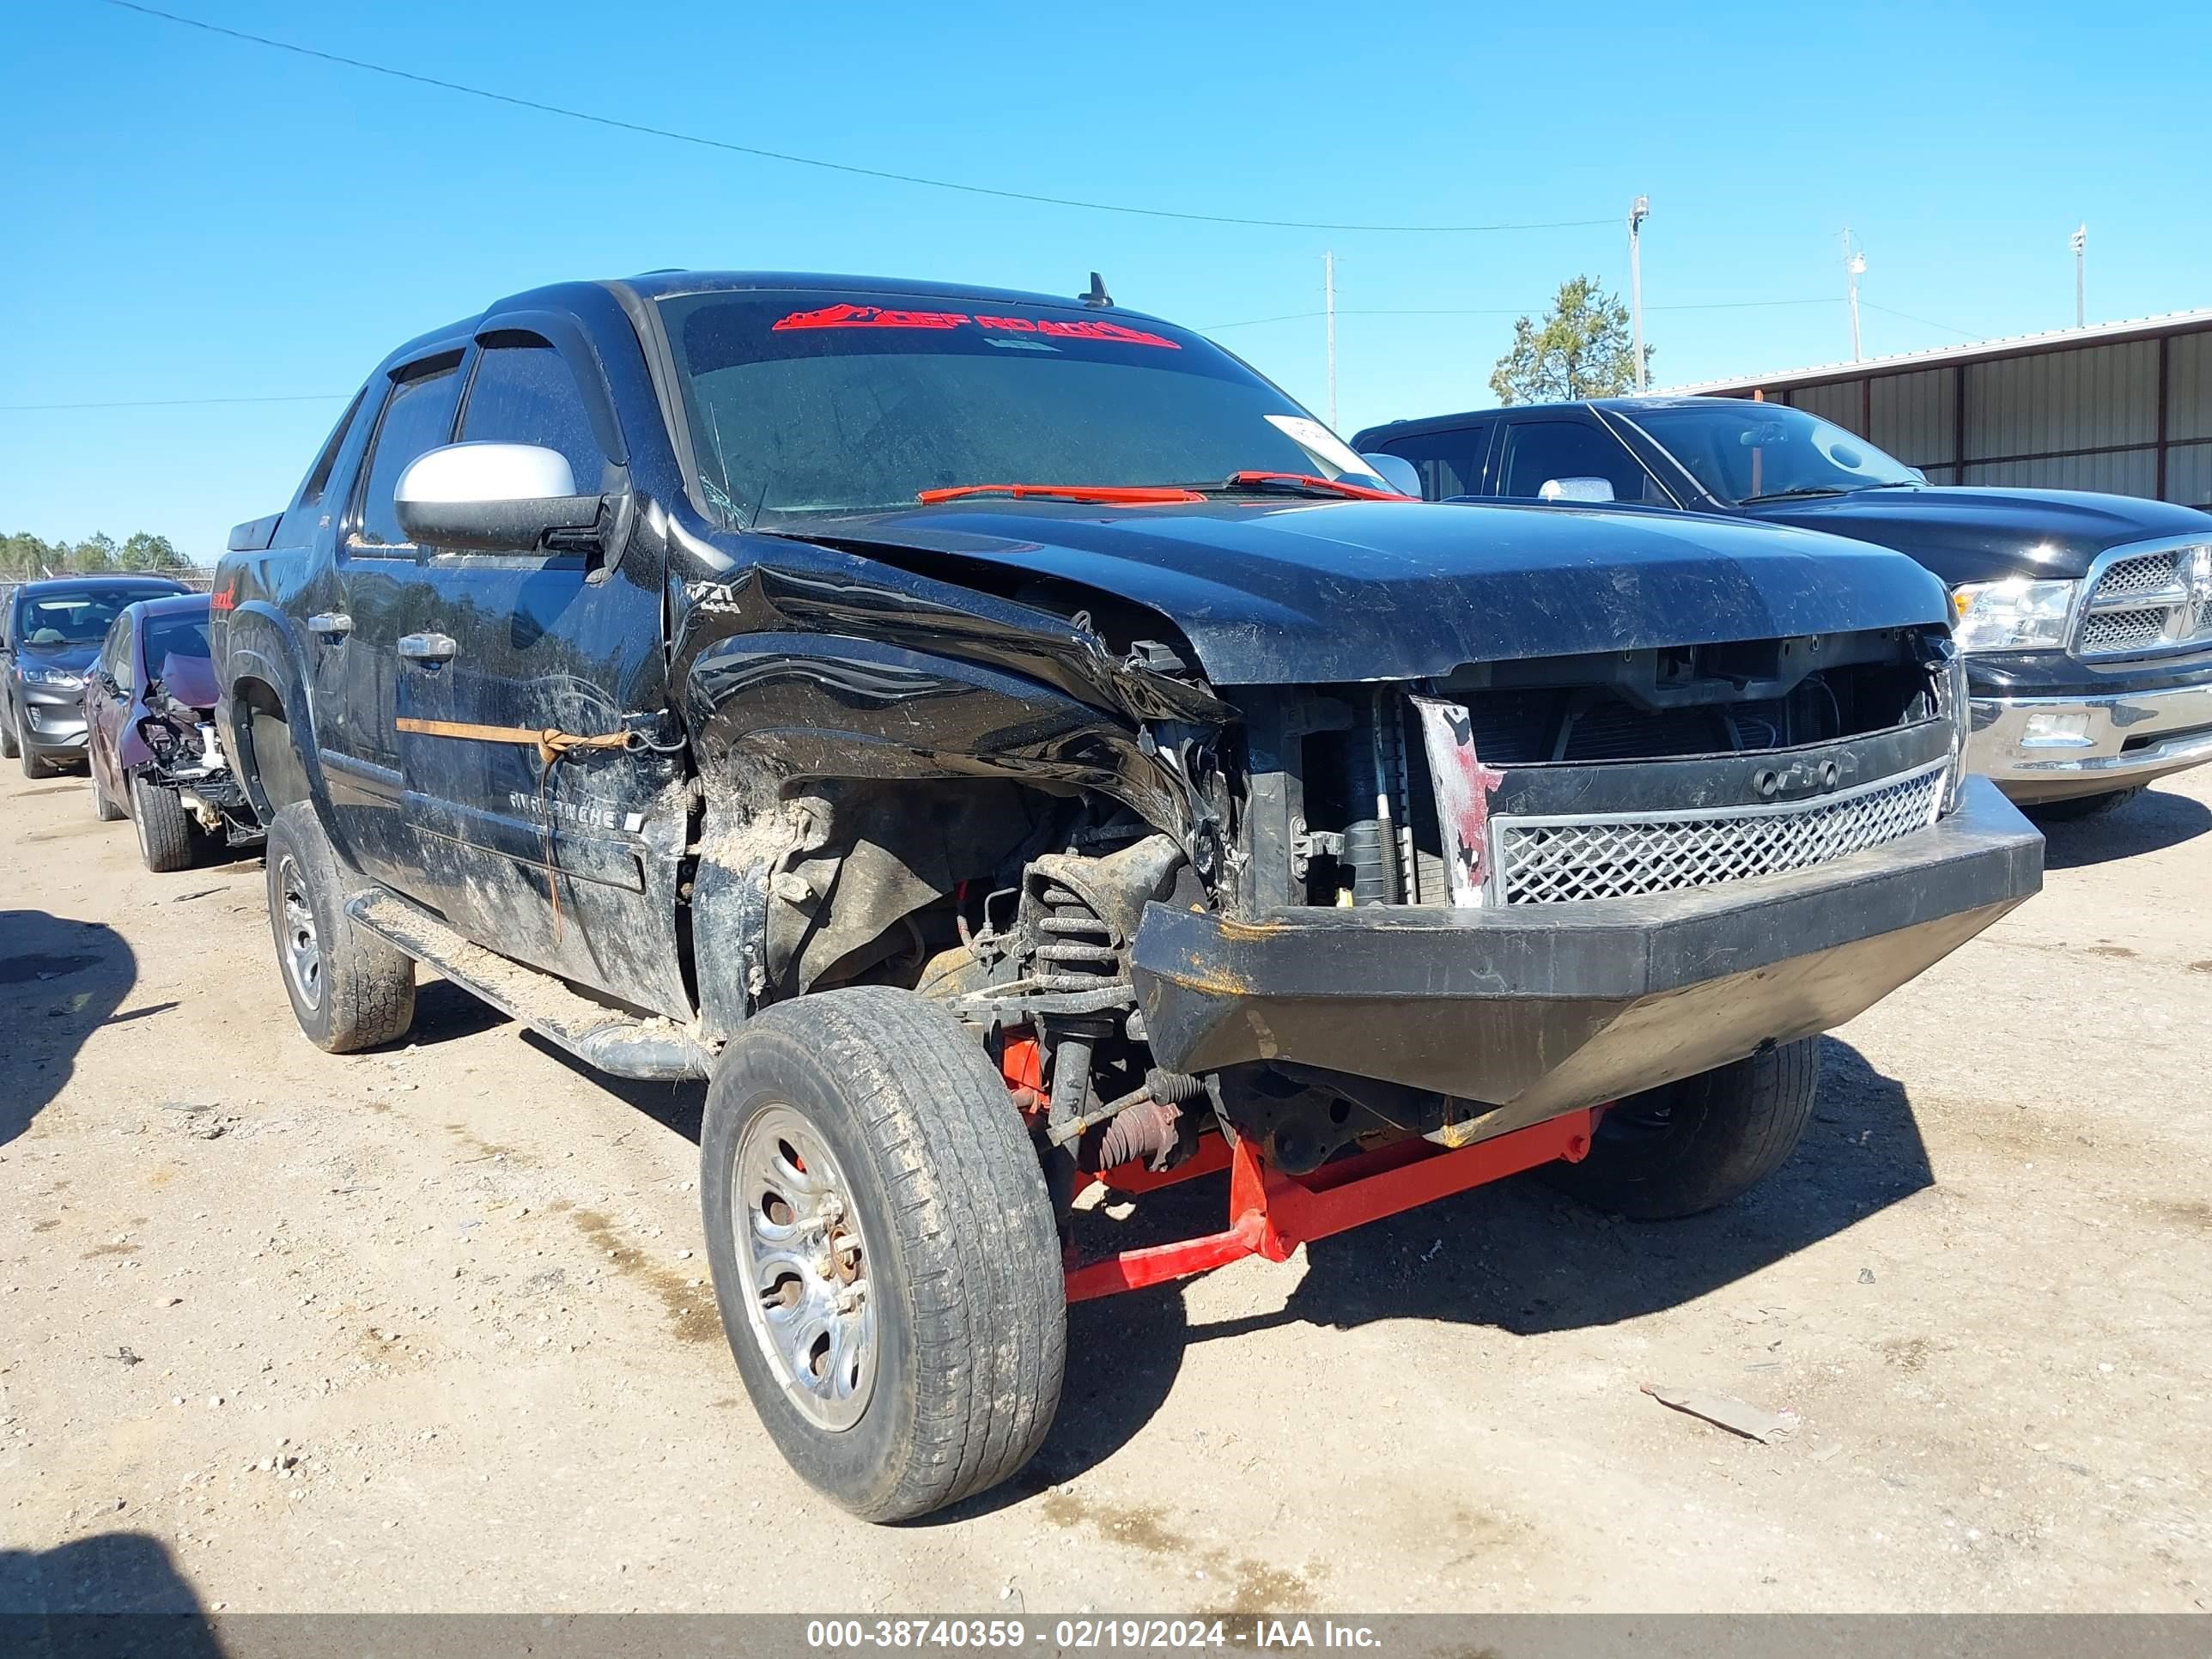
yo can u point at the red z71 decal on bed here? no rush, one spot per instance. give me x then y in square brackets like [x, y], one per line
[853, 316]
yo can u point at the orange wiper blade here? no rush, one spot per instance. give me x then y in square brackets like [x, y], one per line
[1315, 482]
[1107, 495]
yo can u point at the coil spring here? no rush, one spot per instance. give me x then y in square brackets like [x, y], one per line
[1077, 938]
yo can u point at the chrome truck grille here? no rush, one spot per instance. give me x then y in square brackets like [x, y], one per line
[1557, 861]
[2147, 603]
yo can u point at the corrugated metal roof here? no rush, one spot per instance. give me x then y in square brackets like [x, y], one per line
[2095, 334]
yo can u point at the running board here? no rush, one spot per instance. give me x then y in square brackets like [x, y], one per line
[656, 1050]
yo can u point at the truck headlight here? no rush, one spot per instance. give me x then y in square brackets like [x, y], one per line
[2012, 614]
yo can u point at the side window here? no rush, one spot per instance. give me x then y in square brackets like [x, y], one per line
[1536, 451]
[302, 517]
[1450, 463]
[115, 653]
[417, 417]
[523, 393]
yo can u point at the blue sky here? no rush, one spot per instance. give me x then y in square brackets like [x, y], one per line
[189, 217]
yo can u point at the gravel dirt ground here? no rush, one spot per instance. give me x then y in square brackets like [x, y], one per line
[425, 1329]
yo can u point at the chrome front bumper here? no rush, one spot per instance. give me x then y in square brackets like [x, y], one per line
[2048, 748]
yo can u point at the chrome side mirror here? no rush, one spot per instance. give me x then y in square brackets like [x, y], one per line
[1576, 489]
[1401, 474]
[490, 498]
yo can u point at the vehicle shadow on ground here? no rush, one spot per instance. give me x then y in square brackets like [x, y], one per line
[111, 1594]
[60, 981]
[2151, 822]
[1517, 1257]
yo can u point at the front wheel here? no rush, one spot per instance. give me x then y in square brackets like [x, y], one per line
[165, 829]
[2073, 809]
[884, 1250]
[350, 989]
[1690, 1146]
[34, 764]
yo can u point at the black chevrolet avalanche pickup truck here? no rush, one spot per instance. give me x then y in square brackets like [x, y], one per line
[1005, 745]
[2085, 619]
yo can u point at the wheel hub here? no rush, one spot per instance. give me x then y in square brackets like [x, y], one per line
[299, 947]
[803, 1259]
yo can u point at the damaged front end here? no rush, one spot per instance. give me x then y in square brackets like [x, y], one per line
[1328, 917]
[183, 753]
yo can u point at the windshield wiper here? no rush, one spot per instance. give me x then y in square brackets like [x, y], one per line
[1309, 484]
[1107, 495]
[1797, 492]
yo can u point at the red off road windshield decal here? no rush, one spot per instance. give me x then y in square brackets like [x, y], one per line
[853, 316]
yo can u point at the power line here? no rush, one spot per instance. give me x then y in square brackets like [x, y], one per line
[816, 162]
[1928, 322]
[181, 403]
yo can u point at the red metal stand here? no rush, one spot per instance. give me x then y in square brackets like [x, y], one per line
[1272, 1213]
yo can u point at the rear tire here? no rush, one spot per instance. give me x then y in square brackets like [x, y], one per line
[1686, 1147]
[2074, 809]
[102, 808]
[165, 829]
[930, 1370]
[350, 989]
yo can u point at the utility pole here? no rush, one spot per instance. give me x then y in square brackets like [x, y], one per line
[1329, 294]
[1854, 268]
[1639, 211]
[2080, 242]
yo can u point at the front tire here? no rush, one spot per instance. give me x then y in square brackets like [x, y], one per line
[11, 747]
[34, 764]
[884, 1250]
[2073, 809]
[350, 989]
[165, 829]
[1691, 1146]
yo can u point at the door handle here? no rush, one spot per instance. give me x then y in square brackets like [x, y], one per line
[430, 649]
[333, 624]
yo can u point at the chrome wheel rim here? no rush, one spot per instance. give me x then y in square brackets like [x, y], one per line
[300, 946]
[803, 1259]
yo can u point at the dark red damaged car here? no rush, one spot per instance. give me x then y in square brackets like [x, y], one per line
[150, 738]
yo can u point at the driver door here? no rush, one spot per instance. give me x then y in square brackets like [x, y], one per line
[109, 689]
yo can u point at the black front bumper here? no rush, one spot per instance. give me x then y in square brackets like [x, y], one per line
[1537, 1010]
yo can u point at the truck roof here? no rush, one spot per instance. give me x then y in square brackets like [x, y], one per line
[662, 284]
[1628, 405]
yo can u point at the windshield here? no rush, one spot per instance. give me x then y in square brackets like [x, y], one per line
[806, 404]
[175, 636]
[65, 617]
[1747, 452]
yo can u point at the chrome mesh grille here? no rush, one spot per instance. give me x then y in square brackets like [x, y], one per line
[2148, 572]
[2122, 630]
[1560, 860]
[2149, 601]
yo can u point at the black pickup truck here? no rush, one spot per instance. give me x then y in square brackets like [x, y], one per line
[1005, 745]
[2085, 619]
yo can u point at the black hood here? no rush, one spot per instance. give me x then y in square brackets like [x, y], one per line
[1316, 592]
[1967, 535]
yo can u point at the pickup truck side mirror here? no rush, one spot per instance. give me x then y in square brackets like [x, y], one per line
[1576, 489]
[1401, 474]
[490, 498]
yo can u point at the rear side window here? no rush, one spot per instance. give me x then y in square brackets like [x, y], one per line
[418, 416]
[319, 476]
[115, 653]
[1450, 463]
[1537, 451]
[524, 394]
